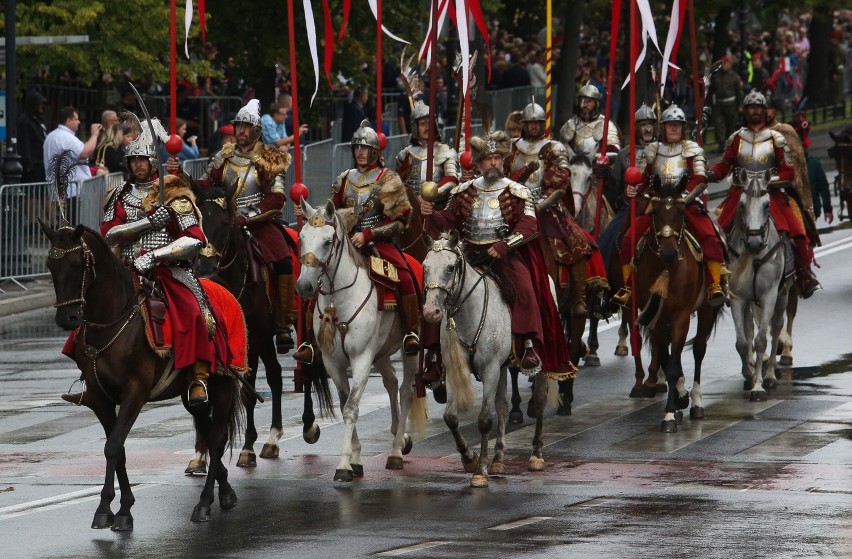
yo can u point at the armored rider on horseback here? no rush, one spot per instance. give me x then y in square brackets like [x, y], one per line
[672, 159]
[756, 148]
[495, 216]
[163, 240]
[583, 132]
[252, 175]
[380, 208]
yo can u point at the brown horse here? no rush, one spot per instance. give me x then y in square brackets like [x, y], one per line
[414, 239]
[670, 286]
[841, 152]
[227, 259]
[97, 296]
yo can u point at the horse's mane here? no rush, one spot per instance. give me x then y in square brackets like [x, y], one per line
[98, 245]
[356, 254]
[580, 158]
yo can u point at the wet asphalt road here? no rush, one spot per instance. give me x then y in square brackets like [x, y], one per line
[768, 479]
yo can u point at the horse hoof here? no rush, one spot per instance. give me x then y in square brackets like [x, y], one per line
[683, 402]
[227, 499]
[636, 392]
[758, 396]
[497, 469]
[748, 385]
[592, 361]
[479, 480]
[343, 475]
[269, 451]
[678, 417]
[409, 444]
[621, 351]
[564, 409]
[669, 426]
[311, 434]
[696, 412]
[247, 459]
[531, 409]
[516, 417]
[535, 464]
[103, 520]
[394, 463]
[649, 391]
[201, 513]
[122, 524]
[440, 394]
[662, 388]
[357, 470]
[769, 383]
[196, 467]
[785, 361]
[471, 466]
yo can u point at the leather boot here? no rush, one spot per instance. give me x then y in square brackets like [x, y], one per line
[283, 313]
[410, 310]
[198, 388]
[432, 369]
[623, 295]
[530, 360]
[305, 353]
[715, 293]
[808, 283]
[578, 289]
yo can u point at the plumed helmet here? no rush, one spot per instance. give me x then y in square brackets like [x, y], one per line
[590, 91]
[493, 142]
[754, 97]
[420, 110]
[674, 114]
[365, 136]
[250, 114]
[145, 145]
[645, 113]
[533, 112]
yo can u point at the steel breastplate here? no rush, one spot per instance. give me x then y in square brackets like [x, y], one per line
[131, 201]
[485, 224]
[240, 180]
[587, 138]
[670, 163]
[417, 159]
[525, 152]
[756, 152]
[362, 195]
[149, 241]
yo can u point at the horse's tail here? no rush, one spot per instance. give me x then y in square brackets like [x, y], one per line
[316, 377]
[234, 409]
[417, 414]
[718, 313]
[458, 372]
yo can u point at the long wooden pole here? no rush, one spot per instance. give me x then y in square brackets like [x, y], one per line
[635, 342]
[378, 66]
[696, 83]
[548, 87]
[173, 67]
[298, 376]
[433, 79]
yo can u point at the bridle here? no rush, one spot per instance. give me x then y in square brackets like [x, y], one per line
[56, 253]
[210, 250]
[667, 231]
[309, 260]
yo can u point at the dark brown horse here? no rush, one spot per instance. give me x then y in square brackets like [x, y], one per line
[670, 286]
[413, 240]
[841, 152]
[96, 295]
[227, 258]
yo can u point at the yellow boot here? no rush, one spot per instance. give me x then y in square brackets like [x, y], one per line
[623, 295]
[715, 293]
[198, 388]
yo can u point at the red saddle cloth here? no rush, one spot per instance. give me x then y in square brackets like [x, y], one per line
[387, 296]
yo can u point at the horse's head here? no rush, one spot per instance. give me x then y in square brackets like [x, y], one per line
[442, 270]
[217, 220]
[581, 177]
[320, 237]
[70, 263]
[668, 212]
[754, 208]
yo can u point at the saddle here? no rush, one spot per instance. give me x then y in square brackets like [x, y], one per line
[482, 262]
[689, 240]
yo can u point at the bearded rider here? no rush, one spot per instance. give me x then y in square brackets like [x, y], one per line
[495, 217]
[756, 148]
[411, 160]
[583, 132]
[252, 174]
[163, 241]
[550, 186]
[672, 159]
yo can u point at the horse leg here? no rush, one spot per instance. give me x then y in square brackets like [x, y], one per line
[566, 396]
[276, 386]
[678, 397]
[214, 426]
[247, 458]
[785, 340]
[361, 366]
[775, 328]
[706, 317]
[649, 386]
[760, 344]
[621, 348]
[484, 422]
[516, 416]
[536, 461]
[198, 463]
[394, 461]
[470, 460]
[743, 321]
[497, 466]
[310, 429]
[591, 359]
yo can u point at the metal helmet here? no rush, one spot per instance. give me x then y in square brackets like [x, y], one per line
[250, 114]
[145, 145]
[420, 110]
[645, 113]
[366, 136]
[754, 97]
[533, 112]
[674, 114]
[589, 91]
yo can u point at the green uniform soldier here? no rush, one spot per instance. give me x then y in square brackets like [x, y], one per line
[726, 94]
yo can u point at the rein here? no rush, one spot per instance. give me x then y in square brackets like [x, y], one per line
[667, 231]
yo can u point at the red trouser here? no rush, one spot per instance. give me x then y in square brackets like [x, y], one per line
[697, 222]
[393, 255]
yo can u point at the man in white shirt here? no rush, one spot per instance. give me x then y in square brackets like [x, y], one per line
[64, 137]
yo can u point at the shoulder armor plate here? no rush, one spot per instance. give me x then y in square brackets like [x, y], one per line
[181, 205]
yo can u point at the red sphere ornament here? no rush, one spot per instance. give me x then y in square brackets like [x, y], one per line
[297, 192]
[602, 161]
[174, 144]
[633, 176]
[383, 140]
[466, 160]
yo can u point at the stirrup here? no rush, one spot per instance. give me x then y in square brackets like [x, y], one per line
[197, 402]
[716, 296]
[299, 355]
[622, 297]
[405, 342]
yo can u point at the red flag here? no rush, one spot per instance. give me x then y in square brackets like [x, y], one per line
[329, 42]
[202, 21]
[347, 4]
[479, 19]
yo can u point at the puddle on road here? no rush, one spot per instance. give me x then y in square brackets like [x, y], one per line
[32, 331]
[841, 365]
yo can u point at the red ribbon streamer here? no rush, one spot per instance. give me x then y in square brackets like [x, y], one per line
[202, 21]
[347, 4]
[329, 42]
[479, 19]
[682, 11]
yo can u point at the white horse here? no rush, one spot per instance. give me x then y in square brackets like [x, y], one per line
[477, 332]
[584, 187]
[351, 331]
[759, 293]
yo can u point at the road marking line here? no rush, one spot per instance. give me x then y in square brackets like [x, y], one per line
[410, 549]
[56, 501]
[519, 523]
[596, 502]
[832, 250]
